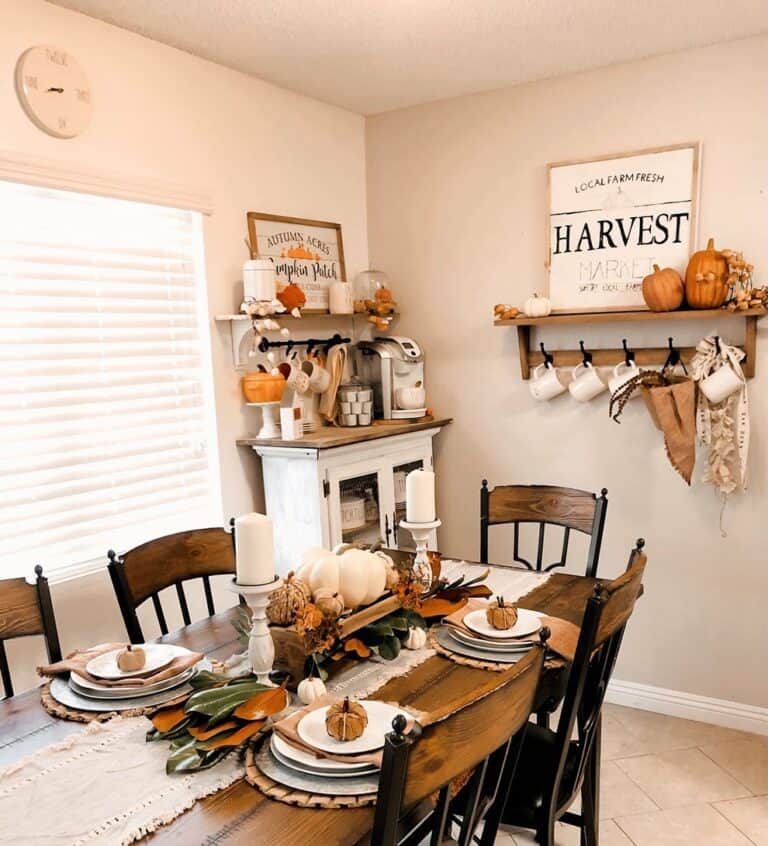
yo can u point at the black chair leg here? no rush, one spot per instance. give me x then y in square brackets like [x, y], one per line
[542, 719]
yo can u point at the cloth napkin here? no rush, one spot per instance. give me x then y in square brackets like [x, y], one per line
[335, 364]
[76, 662]
[674, 409]
[287, 728]
[563, 638]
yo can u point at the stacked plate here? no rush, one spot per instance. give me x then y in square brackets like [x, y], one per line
[92, 693]
[488, 644]
[300, 769]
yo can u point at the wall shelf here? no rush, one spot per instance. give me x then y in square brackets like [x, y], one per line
[644, 356]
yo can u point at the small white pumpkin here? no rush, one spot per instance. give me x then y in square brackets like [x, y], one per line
[310, 689]
[329, 603]
[391, 572]
[537, 306]
[416, 639]
[359, 576]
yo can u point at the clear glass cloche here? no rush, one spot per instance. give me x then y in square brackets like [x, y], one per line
[368, 282]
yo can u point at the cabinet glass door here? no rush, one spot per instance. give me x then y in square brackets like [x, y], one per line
[403, 538]
[355, 508]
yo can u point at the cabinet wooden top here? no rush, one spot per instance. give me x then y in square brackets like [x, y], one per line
[336, 436]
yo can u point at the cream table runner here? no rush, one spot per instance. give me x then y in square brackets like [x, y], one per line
[107, 785]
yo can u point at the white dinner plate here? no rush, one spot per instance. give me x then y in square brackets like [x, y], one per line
[85, 687]
[527, 623]
[344, 771]
[446, 639]
[158, 655]
[295, 755]
[480, 643]
[312, 731]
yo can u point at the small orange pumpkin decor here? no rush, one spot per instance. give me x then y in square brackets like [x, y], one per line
[663, 289]
[346, 720]
[706, 279]
[501, 616]
[292, 297]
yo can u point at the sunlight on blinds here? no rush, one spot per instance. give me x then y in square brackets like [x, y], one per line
[107, 431]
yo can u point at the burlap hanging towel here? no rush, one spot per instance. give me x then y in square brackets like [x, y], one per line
[673, 408]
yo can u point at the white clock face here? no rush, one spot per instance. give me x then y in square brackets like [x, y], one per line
[54, 91]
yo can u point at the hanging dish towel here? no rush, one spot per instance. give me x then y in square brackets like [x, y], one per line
[674, 411]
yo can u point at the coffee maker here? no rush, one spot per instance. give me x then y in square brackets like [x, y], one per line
[394, 367]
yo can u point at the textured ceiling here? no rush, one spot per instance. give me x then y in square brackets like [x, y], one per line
[375, 55]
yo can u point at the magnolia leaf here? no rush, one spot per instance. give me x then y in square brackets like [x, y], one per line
[205, 680]
[413, 618]
[397, 621]
[263, 704]
[380, 629]
[210, 759]
[210, 702]
[356, 645]
[203, 733]
[389, 648]
[435, 606]
[169, 718]
[184, 759]
[235, 738]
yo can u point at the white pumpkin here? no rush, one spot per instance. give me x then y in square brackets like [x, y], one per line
[537, 306]
[359, 576]
[416, 639]
[308, 559]
[310, 689]
[391, 572]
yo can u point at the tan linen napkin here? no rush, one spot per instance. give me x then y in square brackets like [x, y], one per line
[77, 661]
[675, 415]
[563, 635]
[287, 728]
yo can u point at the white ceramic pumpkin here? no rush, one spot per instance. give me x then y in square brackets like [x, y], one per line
[310, 689]
[359, 576]
[537, 306]
[416, 639]
[391, 572]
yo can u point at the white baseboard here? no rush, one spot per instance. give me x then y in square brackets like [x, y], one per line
[689, 706]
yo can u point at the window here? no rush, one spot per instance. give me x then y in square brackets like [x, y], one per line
[107, 430]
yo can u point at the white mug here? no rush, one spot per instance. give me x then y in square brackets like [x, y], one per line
[718, 386]
[622, 373]
[587, 383]
[545, 382]
[319, 377]
[295, 377]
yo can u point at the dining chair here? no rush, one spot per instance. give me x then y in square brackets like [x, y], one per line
[144, 571]
[546, 505]
[476, 747]
[26, 609]
[554, 768]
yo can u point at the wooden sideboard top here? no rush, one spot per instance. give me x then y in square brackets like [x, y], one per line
[336, 436]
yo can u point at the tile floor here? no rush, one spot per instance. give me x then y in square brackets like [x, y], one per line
[671, 782]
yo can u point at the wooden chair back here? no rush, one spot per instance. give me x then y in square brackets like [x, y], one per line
[26, 609]
[602, 630]
[484, 738]
[144, 571]
[571, 509]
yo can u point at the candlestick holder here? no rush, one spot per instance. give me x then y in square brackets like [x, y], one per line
[261, 649]
[420, 532]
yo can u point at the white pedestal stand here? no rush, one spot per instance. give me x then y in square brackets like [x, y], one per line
[270, 418]
[420, 533]
[261, 649]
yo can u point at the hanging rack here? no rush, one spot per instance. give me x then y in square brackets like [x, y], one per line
[586, 356]
[549, 359]
[629, 355]
[326, 343]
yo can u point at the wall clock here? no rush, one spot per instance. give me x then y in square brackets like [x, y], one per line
[53, 90]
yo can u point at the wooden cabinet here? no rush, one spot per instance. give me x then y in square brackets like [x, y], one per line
[342, 485]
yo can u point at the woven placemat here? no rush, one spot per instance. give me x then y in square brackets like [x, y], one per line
[56, 709]
[289, 796]
[477, 663]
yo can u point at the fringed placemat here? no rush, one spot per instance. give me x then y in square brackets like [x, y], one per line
[56, 709]
[478, 664]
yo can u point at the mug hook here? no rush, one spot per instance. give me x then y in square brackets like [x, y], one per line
[549, 359]
[629, 355]
[586, 356]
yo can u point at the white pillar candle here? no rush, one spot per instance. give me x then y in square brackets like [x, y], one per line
[254, 549]
[420, 496]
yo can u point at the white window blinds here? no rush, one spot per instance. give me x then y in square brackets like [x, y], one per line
[106, 418]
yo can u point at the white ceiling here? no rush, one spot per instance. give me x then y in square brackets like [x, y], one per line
[375, 55]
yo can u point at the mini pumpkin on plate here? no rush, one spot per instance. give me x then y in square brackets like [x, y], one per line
[131, 658]
[346, 720]
[501, 616]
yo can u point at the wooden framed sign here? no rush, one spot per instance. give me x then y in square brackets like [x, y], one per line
[307, 252]
[611, 219]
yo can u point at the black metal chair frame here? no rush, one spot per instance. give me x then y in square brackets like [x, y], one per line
[593, 555]
[50, 632]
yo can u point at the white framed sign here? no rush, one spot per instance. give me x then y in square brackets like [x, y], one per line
[307, 252]
[612, 218]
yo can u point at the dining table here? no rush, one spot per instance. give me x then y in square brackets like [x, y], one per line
[240, 814]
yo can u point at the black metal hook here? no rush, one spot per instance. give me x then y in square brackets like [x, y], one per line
[586, 356]
[717, 344]
[549, 359]
[629, 355]
[673, 359]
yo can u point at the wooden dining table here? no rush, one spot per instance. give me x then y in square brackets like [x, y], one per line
[240, 814]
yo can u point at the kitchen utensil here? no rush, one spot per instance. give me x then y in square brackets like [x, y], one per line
[389, 364]
[319, 377]
[545, 383]
[587, 382]
[718, 386]
[622, 373]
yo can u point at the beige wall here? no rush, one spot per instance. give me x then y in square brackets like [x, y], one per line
[457, 216]
[161, 114]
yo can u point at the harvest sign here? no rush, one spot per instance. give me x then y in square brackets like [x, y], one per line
[612, 219]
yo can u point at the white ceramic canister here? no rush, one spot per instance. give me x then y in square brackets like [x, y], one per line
[340, 299]
[259, 280]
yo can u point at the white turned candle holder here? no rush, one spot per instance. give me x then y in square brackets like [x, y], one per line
[261, 649]
[270, 418]
[420, 532]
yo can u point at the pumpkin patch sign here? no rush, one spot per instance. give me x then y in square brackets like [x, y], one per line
[612, 219]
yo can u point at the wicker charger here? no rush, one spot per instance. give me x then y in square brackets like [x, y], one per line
[56, 709]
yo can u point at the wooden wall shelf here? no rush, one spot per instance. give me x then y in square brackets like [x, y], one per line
[644, 356]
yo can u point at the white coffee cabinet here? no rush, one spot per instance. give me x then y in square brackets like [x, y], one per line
[342, 485]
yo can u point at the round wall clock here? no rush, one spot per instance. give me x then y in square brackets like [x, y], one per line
[54, 91]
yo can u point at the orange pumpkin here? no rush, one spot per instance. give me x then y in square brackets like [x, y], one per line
[663, 289]
[292, 297]
[706, 279]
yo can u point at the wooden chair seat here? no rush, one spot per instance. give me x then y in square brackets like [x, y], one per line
[142, 572]
[26, 609]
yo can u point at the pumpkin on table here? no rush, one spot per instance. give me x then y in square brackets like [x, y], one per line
[359, 576]
[310, 689]
[286, 602]
[537, 306]
[131, 658]
[706, 279]
[501, 616]
[346, 720]
[663, 289]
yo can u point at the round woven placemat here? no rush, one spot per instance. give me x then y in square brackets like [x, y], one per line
[56, 709]
[288, 795]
